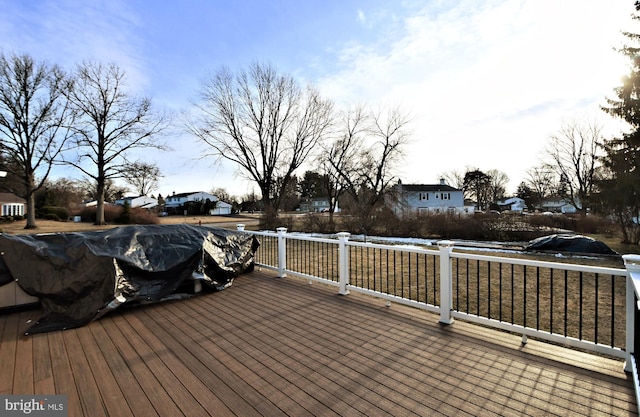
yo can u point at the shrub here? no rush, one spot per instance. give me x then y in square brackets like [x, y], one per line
[318, 223]
[141, 216]
[53, 213]
[111, 212]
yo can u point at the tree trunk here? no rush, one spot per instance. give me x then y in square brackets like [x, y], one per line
[100, 205]
[31, 211]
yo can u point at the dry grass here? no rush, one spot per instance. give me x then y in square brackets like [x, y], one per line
[51, 226]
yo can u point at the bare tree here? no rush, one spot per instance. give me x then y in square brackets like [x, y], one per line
[262, 121]
[62, 192]
[498, 181]
[366, 154]
[34, 116]
[339, 159]
[454, 178]
[112, 123]
[111, 190]
[142, 176]
[541, 180]
[572, 155]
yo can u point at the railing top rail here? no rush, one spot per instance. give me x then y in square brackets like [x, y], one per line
[403, 248]
[543, 264]
[261, 232]
[312, 238]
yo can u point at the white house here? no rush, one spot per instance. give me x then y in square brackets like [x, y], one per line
[141, 201]
[221, 209]
[176, 200]
[558, 205]
[12, 205]
[516, 204]
[429, 198]
[318, 205]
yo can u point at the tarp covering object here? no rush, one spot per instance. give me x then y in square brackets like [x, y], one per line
[81, 276]
[570, 243]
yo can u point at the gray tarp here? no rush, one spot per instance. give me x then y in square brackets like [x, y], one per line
[81, 276]
[570, 243]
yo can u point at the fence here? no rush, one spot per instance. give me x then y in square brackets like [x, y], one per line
[580, 306]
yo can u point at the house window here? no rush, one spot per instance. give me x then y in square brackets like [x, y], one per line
[445, 196]
[423, 196]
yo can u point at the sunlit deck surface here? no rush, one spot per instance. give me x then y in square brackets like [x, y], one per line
[280, 347]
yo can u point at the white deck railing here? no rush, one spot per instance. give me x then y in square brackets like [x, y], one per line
[439, 279]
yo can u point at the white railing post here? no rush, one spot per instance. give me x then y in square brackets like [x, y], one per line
[240, 227]
[446, 284]
[343, 262]
[632, 263]
[282, 251]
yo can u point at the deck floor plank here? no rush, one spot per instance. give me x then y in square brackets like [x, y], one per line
[135, 397]
[110, 394]
[175, 378]
[63, 377]
[23, 382]
[279, 347]
[317, 353]
[8, 353]
[209, 353]
[153, 388]
[42, 371]
[83, 373]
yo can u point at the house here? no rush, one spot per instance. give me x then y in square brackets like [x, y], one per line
[141, 201]
[429, 198]
[515, 204]
[317, 205]
[180, 203]
[558, 205]
[12, 205]
[221, 209]
[177, 203]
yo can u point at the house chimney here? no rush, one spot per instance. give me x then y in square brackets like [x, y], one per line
[442, 181]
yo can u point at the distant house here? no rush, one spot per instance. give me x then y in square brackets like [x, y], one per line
[515, 204]
[317, 205]
[428, 198]
[12, 205]
[178, 203]
[141, 201]
[221, 209]
[558, 205]
[173, 202]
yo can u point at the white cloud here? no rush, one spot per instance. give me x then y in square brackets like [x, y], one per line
[361, 17]
[487, 82]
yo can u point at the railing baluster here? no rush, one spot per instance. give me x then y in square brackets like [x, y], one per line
[595, 331]
[537, 298]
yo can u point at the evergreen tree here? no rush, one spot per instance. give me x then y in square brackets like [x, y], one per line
[620, 182]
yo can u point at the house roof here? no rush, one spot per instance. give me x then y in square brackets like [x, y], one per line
[180, 195]
[428, 187]
[11, 198]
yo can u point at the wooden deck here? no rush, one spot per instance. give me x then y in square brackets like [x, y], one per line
[280, 347]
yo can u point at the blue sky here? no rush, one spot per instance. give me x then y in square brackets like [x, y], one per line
[486, 82]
